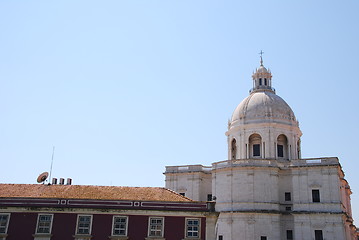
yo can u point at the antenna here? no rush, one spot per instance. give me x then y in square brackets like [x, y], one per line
[52, 160]
[42, 177]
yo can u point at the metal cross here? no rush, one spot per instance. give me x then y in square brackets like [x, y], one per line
[261, 53]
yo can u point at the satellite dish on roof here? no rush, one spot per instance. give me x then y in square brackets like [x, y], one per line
[42, 177]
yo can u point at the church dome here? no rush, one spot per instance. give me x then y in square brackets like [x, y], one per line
[263, 107]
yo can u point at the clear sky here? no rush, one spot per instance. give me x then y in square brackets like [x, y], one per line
[124, 88]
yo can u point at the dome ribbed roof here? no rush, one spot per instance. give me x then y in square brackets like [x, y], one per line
[263, 107]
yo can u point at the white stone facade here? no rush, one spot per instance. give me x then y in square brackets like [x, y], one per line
[265, 190]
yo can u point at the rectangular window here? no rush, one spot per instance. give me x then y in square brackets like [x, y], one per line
[263, 237]
[220, 237]
[289, 234]
[4, 222]
[318, 234]
[192, 228]
[288, 208]
[84, 224]
[155, 227]
[315, 195]
[209, 197]
[287, 196]
[119, 226]
[280, 150]
[256, 150]
[44, 223]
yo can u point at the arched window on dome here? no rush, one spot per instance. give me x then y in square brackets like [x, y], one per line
[260, 82]
[255, 143]
[282, 147]
[265, 82]
[299, 150]
[234, 149]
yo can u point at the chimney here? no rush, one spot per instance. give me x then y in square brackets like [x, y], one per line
[54, 181]
[62, 181]
[69, 181]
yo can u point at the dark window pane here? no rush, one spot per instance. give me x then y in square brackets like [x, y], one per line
[318, 234]
[3, 223]
[289, 234]
[263, 237]
[234, 149]
[260, 81]
[287, 196]
[220, 237]
[256, 150]
[182, 193]
[315, 195]
[209, 197]
[280, 150]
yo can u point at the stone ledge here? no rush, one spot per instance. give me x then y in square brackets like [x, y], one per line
[118, 237]
[82, 237]
[42, 236]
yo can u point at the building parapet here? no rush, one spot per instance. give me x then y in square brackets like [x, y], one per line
[256, 89]
[307, 162]
[276, 163]
[245, 163]
[315, 161]
[188, 168]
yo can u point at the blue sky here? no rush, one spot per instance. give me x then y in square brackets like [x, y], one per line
[124, 88]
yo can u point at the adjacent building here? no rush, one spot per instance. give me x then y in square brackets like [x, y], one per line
[77, 212]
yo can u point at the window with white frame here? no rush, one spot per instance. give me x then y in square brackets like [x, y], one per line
[192, 227]
[4, 222]
[155, 228]
[84, 224]
[119, 226]
[44, 223]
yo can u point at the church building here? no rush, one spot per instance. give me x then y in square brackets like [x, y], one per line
[265, 190]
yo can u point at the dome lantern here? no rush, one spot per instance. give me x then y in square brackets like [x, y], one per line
[262, 78]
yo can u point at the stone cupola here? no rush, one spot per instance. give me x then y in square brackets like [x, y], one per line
[263, 126]
[262, 79]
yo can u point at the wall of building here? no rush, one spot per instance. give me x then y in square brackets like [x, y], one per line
[245, 226]
[194, 181]
[22, 224]
[331, 225]
[322, 178]
[246, 188]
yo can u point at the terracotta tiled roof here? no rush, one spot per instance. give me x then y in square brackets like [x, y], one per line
[90, 192]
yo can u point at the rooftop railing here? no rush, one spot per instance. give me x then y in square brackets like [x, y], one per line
[188, 168]
[262, 88]
[255, 163]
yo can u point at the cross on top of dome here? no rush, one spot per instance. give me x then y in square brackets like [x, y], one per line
[262, 78]
[261, 53]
